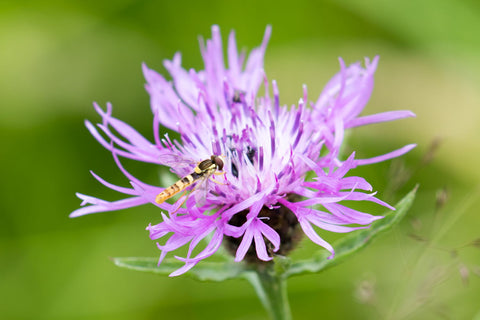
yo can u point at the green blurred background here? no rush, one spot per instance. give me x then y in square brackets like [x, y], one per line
[57, 57]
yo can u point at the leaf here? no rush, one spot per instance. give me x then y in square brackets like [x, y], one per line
[284, 267]
[205, 271]
[353, 242]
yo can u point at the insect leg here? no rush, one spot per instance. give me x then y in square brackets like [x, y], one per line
[221, 173]
[181, 204]
[200, 200]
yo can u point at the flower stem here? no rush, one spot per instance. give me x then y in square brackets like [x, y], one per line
[271, 288]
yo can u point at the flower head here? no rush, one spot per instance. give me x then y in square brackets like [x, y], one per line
[267, 151]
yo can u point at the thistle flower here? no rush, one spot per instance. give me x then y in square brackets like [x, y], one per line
[263, 199]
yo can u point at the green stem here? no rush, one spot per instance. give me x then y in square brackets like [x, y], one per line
[271, 288]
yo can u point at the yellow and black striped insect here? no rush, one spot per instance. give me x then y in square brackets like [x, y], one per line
[200, 174]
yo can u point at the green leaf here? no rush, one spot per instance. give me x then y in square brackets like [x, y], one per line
[283, 267]
[205, 271]
[353, 242]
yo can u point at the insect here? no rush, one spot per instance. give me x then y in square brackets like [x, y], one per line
[238, 96]
[200, 174]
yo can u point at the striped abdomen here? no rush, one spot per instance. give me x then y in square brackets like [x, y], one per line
[177, 187]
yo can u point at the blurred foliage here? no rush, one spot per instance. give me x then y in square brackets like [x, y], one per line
[57, 57]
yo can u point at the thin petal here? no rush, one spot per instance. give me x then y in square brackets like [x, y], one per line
[379, 117]
[387, 156]
[109, 206]
[260, 247]
[307, 228]
[244, 245]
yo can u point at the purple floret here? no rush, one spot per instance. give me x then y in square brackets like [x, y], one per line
[269, 150]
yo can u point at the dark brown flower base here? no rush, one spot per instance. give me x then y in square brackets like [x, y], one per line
[281, 219]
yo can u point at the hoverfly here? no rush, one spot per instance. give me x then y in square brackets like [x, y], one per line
[200, 174]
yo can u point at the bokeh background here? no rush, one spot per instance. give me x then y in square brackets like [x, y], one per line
[57, 57]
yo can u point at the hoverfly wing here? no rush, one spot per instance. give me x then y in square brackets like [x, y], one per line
[201, 191]
[198, 178]
[178, 164]
[175, 160]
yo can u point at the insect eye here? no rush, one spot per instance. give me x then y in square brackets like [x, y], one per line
[219, 163]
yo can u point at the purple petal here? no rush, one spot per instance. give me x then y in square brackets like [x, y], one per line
[307, 228]
[183, 269]
[379, 117]
[104, 206]
[244, 245]
[114, 187]
[269, 233]
[387, 156]
[268, 149]
[260, 246]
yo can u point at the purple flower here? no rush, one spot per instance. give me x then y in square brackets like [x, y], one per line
[282, 167]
